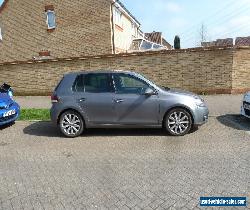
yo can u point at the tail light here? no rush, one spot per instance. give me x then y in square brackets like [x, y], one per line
[54, 98]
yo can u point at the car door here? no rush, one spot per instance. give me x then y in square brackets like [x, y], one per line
[132, 106]
[95, 94]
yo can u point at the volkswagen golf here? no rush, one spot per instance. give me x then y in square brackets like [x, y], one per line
[113, 98]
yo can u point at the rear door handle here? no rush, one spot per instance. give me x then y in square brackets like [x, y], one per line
[82, 99]
[118, 100]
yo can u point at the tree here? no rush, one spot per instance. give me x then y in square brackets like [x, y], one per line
[177, 43]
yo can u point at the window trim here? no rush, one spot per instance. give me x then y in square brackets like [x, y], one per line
[1, 35]
[47, 19]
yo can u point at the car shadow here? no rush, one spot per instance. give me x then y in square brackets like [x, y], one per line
[42, 128]
[48, 129]
[2, 127]
[235, 121]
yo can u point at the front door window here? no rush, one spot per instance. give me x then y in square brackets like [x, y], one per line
[128, 84]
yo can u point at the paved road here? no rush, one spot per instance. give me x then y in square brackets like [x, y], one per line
[122, 169]
[218, 104]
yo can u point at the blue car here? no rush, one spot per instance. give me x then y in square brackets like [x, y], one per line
[9, 109]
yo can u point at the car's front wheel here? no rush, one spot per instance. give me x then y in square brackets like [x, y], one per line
[178, 122]
[71, 124]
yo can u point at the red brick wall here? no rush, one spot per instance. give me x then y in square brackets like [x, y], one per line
[82, 28]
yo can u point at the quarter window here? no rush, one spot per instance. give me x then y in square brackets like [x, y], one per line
[79, 84]
[51, 20]
[128, 84]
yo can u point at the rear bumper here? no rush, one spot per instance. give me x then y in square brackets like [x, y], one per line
[54, 114]
[201, 116]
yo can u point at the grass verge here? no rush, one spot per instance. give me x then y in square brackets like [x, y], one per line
[34, 114]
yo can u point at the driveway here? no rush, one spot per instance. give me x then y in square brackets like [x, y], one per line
[122, 169]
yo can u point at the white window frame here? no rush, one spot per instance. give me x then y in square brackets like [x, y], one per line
[47, 21]
[134, 30]
[1, 36]
[117, 17]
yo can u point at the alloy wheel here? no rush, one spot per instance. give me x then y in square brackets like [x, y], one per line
[71, 124]
[178, 122]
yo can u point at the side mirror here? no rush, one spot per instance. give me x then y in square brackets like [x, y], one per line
[10, 92]
[149, 92]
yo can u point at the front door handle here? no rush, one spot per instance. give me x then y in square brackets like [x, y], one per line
[118, 100]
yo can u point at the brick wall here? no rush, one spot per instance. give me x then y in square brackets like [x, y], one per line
[209, 71]
[82, 28]
[241, 69]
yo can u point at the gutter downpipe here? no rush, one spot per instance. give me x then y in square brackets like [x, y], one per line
[113, 30]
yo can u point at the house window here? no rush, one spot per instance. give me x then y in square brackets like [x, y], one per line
[51, 19]
[1, 37]
[117, 17]
[134, 30]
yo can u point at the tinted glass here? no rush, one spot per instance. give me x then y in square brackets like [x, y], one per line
[79, 84]
[97, 83]
[128, 84]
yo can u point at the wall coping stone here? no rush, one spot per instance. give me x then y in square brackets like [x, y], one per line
[200, 49]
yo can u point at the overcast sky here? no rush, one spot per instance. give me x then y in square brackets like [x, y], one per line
[221, 18]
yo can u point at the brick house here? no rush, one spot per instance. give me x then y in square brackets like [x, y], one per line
[32, 29]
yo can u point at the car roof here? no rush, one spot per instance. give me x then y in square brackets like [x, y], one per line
[100, 71]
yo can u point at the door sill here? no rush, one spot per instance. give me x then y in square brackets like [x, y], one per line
[122, 126]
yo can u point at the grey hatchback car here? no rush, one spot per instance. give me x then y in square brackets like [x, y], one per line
[113, 98]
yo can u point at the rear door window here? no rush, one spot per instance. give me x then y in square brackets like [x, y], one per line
[97, 83]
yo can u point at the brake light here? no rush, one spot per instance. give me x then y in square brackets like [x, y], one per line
[54, 98]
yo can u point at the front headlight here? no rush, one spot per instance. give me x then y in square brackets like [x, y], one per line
[245, 96]
[200, 104]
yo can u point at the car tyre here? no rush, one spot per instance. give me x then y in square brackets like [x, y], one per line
[71, 124]
[178, 122]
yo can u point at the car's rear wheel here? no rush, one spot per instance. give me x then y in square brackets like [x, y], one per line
[178, 122]
[71, 124]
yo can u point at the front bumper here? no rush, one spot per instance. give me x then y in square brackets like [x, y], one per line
[243, 112]
[12, 118]
[201, 116]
